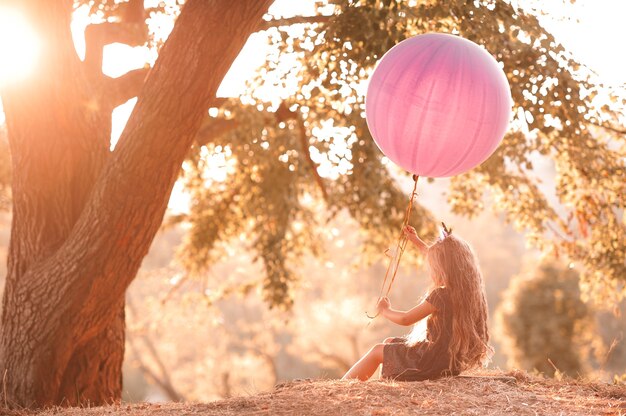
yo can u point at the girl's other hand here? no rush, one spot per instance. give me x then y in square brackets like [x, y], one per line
[383, 304]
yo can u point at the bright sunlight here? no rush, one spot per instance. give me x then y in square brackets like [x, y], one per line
[19, 47]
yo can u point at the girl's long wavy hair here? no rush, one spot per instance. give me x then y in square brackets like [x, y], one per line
[454, 266]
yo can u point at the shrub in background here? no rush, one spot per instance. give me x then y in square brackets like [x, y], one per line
[543, 324]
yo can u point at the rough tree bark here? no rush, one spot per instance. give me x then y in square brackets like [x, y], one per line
[84, 217]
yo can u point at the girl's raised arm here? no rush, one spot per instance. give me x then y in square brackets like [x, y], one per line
[411, 234]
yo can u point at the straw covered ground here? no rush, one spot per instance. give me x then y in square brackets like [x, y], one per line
[494, 394]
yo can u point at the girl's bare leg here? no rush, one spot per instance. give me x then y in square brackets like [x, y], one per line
[367, 365]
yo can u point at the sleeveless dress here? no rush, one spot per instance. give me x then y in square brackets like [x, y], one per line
[426, 359]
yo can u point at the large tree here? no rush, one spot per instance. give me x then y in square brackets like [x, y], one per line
[84, 216]
[273, 151]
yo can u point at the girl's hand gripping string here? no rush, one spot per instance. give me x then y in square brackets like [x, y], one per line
[405, 318]
[382, 305]
[411, 235]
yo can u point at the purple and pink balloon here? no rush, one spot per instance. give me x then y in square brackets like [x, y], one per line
[438, 105]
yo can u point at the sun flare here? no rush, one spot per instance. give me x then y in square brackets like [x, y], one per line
[19, 47]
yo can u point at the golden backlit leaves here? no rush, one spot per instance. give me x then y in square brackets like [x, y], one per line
[554, 163]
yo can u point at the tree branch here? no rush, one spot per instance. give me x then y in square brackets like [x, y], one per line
[179, 283]
[121, 89]
[131, 30]
[132, 11]
[225, 389]
[354, 342]
[269, 360]
[214, 127]
[283, 114]
[340, 361]
[607, 127]
[304, 142]
[99, 35]
[297, 20]
[165, 381]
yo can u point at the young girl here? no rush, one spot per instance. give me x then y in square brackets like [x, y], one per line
[457, 336]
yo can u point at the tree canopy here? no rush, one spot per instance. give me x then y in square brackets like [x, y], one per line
[558, 175]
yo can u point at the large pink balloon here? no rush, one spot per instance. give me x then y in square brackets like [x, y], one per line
[438, 105]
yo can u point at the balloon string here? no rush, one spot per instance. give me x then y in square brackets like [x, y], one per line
[394, 263]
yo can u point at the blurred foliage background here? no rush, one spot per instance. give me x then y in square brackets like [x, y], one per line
[545, 325]
[288, 206]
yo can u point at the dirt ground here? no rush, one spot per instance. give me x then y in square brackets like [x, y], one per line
[486, 394]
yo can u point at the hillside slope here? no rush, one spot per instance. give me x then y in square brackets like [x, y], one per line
[497, 394]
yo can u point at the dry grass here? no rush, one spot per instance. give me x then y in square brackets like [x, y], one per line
[519, 394]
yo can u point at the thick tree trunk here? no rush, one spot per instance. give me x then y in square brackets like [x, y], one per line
[93, 373]
[83, 218]
[58, 146]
